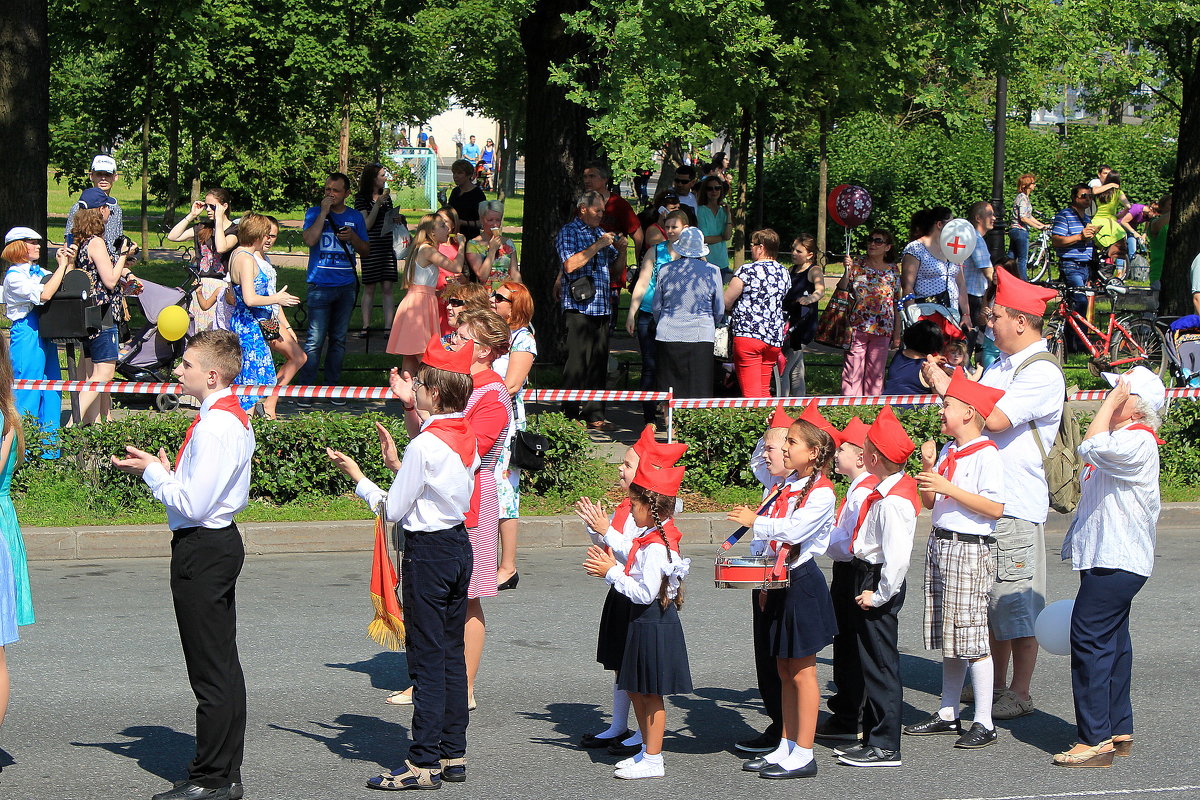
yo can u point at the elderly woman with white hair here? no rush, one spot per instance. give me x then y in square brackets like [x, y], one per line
[688, 304]
[491, 257]
[1111, 546]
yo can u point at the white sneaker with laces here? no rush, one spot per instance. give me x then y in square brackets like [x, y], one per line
[642, 769]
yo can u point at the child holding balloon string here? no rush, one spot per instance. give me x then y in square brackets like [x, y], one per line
[655, 661]
[801, 619]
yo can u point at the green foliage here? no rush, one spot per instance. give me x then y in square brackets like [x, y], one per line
[570, 467]
[1181, 453]
[906, 168]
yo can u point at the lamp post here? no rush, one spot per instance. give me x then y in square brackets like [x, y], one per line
[995, 237]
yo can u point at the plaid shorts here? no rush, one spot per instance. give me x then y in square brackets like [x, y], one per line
[958, 575]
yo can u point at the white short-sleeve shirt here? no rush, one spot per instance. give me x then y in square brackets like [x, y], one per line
[975, 473]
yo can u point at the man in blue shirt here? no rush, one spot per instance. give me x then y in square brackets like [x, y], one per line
[978, 273]
[333, 233]
[1071, 236]
[470, 151]
[586, 252]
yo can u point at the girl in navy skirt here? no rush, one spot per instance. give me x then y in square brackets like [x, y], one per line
[655, 661]
[801, 616]
[617, 537]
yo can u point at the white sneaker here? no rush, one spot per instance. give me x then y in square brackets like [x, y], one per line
[629, 762]
[642, 769]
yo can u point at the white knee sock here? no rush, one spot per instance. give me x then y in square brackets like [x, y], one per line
[779, 753]
[983, 677]
[954, 672]
[620, 716]
[799, 757]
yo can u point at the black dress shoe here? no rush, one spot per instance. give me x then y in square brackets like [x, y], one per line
[778, 773]
[763, 743]
[847, 749]
[623, 750]
[756, 765]
[511, 583]
[236, 791]
[190, 791]
[976, 737]
[591, 742]
[933, 726]
[837, 729]
[871, 757]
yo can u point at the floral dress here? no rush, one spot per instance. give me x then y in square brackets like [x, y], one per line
[875, 293]
[934, 276]
[501, 264]
[508, 477]
[257, 364]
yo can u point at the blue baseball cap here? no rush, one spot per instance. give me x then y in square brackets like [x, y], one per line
[95, 198]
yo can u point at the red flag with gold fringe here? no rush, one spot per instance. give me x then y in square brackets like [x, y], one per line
[388, 626]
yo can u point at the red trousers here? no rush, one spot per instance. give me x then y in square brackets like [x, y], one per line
[753, 359]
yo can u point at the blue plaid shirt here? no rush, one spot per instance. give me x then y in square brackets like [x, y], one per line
[575, 237]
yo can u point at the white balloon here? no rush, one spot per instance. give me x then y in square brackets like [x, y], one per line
[1053, 627]
[957, 240]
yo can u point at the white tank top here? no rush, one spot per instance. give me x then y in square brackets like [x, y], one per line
[424, 274]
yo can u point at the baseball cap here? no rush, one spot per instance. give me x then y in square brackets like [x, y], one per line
[1144, 383]
[95, 198]
[20, 233]
[103, 163]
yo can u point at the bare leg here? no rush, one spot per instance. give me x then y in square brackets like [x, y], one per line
[294, 358]
[508, 550]
[1024, 656]
[388, 300]
[410, 364]
[801, 699]
[652, 720]
[368, 301]
[473, 636]
[96, 405]
[4, 686]
[1001, 652]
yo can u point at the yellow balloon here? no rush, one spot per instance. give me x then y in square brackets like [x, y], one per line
[172, 323]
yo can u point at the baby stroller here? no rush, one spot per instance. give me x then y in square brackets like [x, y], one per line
[150, 357]
[1183, 350]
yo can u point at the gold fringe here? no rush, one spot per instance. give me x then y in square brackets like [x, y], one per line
[386, 629]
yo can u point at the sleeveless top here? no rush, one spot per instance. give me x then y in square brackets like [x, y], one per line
[662, 255]
[803, 318]
[109, 300]
[423, 274]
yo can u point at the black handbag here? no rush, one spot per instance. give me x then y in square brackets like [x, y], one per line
[529, 451]
[583, 289]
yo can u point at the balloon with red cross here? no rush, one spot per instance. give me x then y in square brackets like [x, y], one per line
[849, 205]
[957, 240]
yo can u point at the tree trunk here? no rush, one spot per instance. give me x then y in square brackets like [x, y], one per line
[509, 154]
[24, 114]
[1184, 233]
[172, 159]
[194, 195]
[758, 164]
[822, 178]
[739, 210]
[146, 171]
[501, 172]
[344, 137]
[672, 160]
[377, 133]
[555, 157]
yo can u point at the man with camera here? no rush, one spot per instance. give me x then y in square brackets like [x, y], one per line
[102, 175]
[586, 253]
[334, 233]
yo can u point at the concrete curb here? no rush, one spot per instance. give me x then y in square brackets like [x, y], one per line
[154, 541]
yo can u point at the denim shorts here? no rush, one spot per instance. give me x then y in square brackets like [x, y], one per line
[103, 348]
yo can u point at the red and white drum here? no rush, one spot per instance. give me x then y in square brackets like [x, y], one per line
[749, 572]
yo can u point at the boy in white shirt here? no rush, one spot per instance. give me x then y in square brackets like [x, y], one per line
[209, 485]
[960, 486]
[430, 498]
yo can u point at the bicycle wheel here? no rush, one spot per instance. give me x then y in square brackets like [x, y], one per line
[1052, 332]
[1143, 346]
[1039, 266]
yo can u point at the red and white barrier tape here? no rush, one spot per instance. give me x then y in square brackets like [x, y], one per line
[797, 402]
[586, 395]
[257, 390]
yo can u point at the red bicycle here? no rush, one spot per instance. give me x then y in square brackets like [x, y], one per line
[1130, 340]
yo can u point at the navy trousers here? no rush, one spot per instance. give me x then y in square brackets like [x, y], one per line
[436, 570]
[846, 703]
[877, 633]
[1102, 653]
[765, 665]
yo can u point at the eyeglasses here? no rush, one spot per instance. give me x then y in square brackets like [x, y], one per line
[458, 338]
[877, 240]
[456, 302]
[418, 384]
[499, 298]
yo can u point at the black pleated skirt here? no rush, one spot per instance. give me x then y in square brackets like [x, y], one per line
[656, 660]
[614, 627]
[801, 616]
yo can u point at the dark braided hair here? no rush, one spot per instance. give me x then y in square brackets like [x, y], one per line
[822, 442]
[660, 506]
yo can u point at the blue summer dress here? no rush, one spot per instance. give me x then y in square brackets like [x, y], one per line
[16, 602]
[258, 366]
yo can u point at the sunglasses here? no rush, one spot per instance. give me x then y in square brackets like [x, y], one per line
[682, 181]
[499, 298]
[456, 303]
[877, 240]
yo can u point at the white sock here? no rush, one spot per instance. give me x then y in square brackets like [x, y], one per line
[620, 716]
[799, 757]
[651, 759]
[636, 738]
[983, 678]
[954, 672]
[779, 753]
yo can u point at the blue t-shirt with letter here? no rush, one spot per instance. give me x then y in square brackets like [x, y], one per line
[331, 262]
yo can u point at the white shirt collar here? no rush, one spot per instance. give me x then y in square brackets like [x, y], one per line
[212, 399]
[887, 483]
[432, 417]
[1018, 358]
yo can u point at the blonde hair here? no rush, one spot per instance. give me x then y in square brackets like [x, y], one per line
[8, 403]
[252, 228]
[488, 328]
[822, 442]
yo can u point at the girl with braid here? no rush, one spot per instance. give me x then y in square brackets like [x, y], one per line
[800, 617]
[655, 661]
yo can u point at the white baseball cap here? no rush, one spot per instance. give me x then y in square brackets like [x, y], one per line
[103, 163]
[21, 233]
[1144, 383]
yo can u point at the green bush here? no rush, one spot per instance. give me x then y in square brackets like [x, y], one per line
[570, 467]
[1181, 453]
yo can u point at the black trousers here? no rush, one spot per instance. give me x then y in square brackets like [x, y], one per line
[846, 704]
[587, 362]
[687, 367]
[205, 564]
[765, 664]
[876, 633]
[436, 570]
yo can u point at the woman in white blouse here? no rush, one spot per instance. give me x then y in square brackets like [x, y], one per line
[33, 357]
[1111, 546]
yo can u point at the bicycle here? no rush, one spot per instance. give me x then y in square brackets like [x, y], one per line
[1129, 340]
[1041, 254]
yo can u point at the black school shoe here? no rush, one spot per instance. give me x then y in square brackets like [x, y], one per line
[871, 757]
[618, 749]
[778, 773]
[976, 737]
[933, 726]
[591, 742]
[837, 729]
[763, 743]
[186, 790]
[848, 749]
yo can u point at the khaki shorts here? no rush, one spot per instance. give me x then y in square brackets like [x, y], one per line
[1019, 592]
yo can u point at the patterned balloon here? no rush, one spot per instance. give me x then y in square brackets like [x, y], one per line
[854, 206]
[832, 204]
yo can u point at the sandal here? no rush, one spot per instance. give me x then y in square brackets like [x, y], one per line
[401, 698]
[411, 777]
[1093, 756]
[1123, 747]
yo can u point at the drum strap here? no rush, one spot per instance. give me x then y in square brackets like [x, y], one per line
[765, 507]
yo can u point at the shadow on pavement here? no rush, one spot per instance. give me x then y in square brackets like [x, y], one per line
[358, 738]
[159, 750]
[713, 716]
[572, 721]
[388, 670]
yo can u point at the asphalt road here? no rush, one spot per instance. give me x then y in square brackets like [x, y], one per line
[101, 705]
